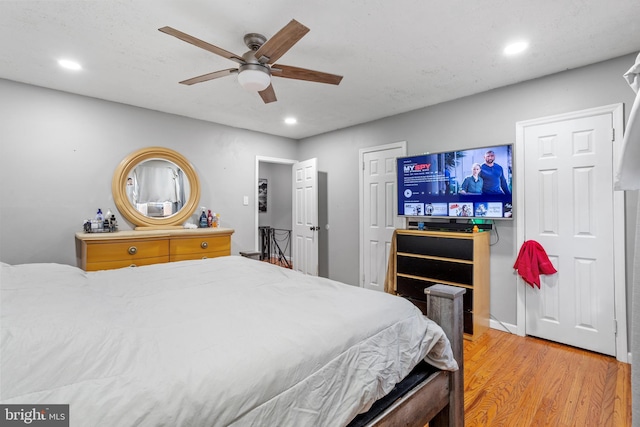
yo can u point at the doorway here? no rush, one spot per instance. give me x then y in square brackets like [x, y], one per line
[273, 203]
[279, 205]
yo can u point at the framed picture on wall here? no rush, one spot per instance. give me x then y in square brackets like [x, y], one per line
[262, 195]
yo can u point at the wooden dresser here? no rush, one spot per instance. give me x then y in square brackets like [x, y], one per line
[105, 251]
[425, 258]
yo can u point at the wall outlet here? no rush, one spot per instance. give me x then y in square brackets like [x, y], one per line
[245, 200]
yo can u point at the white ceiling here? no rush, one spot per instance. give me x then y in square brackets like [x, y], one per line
[395, 56]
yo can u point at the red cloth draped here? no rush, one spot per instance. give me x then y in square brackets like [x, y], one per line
[533, 261]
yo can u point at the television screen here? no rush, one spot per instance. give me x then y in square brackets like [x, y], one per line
[474, 183]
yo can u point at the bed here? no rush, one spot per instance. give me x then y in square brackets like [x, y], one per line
[224, 341]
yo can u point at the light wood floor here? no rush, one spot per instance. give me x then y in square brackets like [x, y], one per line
[523, 381]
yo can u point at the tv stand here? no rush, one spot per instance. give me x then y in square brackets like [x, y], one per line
[426, 258]
[452, 225]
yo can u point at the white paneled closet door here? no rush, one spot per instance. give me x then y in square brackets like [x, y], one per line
[568, 193]
[379, 213]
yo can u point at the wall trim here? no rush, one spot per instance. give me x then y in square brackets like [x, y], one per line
[504, 327]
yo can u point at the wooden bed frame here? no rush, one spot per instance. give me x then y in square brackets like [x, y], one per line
[438, 400]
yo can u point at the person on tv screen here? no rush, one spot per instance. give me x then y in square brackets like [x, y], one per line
[492, 175]
[473, 183]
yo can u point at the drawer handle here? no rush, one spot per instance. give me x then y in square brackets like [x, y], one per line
[132, 250]
[204, 245]
[133, 265]
[204, 257]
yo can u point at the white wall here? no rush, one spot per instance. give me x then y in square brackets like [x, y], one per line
[58, 153]
[484, 119]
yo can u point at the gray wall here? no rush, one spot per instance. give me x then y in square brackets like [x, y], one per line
[484, 119]
[58, 153]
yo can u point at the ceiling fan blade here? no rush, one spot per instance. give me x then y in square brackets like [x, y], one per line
[281, 42]
[202, 44]
[209, 76]
[268, 95]
[289, 72]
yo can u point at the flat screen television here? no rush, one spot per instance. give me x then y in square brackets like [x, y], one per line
[464, 184]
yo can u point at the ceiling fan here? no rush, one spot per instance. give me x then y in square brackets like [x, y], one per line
[257, 65]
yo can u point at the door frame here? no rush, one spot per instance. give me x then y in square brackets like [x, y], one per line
[264, 159]
[620, 303]
[403, 146]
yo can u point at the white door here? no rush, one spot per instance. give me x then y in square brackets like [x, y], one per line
[379, 215]
[305, 217]
[569, 210]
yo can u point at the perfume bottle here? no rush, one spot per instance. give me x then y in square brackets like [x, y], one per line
[203, 220]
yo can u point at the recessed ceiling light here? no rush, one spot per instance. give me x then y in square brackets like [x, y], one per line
[515, 48]
[69, 65]
[291, 120]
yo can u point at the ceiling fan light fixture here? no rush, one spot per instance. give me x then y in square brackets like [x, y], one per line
[254, 71]
[254, 80]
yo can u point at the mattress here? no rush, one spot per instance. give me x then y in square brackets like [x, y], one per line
[223, 341]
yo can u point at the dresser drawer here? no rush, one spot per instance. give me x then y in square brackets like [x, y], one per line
[104, 251]
[413, 288]
[108, 265]
[436, 270]
[130, 251]
[436, 246]
[181, 249]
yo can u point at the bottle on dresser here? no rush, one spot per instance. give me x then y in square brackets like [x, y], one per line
[98, 225]
[203, 219]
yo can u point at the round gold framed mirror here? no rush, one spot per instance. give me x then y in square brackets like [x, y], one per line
[156, 187]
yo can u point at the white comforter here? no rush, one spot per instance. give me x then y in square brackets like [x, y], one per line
[225, 341]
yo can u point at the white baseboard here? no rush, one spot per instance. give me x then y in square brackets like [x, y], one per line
[502, 326]
[507, 327]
